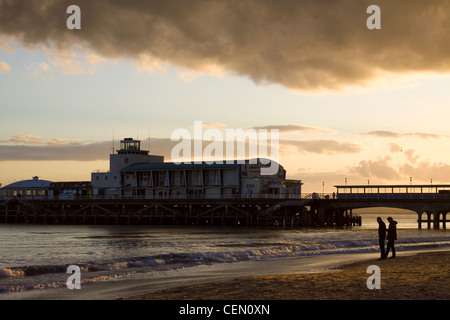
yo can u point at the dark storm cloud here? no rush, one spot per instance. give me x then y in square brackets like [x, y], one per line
[303, 45]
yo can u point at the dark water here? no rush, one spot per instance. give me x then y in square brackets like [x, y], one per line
[37, 256]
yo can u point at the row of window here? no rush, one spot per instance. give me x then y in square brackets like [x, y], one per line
[394, 190]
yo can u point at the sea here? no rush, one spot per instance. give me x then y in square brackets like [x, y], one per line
[36, 257]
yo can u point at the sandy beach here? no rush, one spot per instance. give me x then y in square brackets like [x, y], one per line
[421, 276]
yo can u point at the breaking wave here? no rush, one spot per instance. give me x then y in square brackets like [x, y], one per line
[102, 270]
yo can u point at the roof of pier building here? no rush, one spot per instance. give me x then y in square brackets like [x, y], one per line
[34, 183]
[195, 166]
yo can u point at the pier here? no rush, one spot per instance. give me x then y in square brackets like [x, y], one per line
[236, 211]
[433, 201]
[431, 204]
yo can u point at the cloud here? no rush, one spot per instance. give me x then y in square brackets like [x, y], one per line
[380, 169]
[394, 147]
[26, 139]
[73, 62]
[7, 44]
[89, 152]
[35, 148]
[25, 147]
[285, 128]
[321, 146]
[146, 63]
[212, 125]
[420, 170]
[40, 70]
[396, 135]
[4, 67]
[411, 156]
[426, 170]
[64, 141]
[302, 45]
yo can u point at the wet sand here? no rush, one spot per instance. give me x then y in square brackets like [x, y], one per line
[422, 276]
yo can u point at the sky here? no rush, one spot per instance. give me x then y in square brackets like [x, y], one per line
[367, 105]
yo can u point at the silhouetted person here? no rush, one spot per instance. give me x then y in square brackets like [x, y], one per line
[391, 236]
[381, 236]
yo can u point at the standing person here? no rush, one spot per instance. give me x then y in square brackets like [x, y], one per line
[381, 236]
[391, 236]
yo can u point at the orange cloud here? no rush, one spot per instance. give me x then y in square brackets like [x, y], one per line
[4, 67]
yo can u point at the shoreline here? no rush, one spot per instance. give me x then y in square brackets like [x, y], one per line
[139, 284]
[330, 277]
[410, 276]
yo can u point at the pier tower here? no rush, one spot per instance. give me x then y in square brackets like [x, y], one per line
[130, 153]
[109, 183]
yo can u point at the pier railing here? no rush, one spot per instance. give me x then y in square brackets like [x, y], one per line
[281, 196]
[161, 197]
[394, 196]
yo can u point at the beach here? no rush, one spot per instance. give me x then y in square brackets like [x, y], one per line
[414, 276]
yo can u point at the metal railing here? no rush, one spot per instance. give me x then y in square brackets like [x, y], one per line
[393, 196]
[281, 196]
[211, 196]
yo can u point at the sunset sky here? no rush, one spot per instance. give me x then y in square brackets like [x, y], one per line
[348, 102]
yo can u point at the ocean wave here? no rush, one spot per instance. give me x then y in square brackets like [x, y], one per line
[51, 284]
[191, 259]
[7, 272]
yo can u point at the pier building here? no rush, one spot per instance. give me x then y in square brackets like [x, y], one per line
[34, 187]
[134, 173]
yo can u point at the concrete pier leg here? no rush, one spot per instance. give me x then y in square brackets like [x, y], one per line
[321, 217]
[16, 217]
[94, 214]
[436, 220]
[174, 217]
[63, 213]
[224, 214]
[419, 220]
[444, 220]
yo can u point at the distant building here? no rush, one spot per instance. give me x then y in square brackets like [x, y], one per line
[44, 189]
[33, 188]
